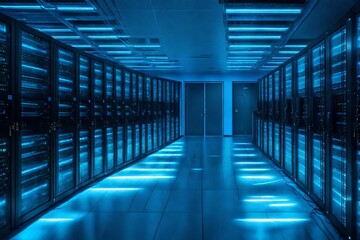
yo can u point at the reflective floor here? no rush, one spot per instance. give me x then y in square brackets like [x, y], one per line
[196, 188]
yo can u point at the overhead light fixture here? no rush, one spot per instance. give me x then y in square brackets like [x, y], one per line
[295, 46]
[132, 61]
[263, 11]
[104, 37]
[250, 46]
[66, 37]
[258, 29]
[246, 52]
[75, 8]
[127, 57]
[54, 29]
[95, 29]
[119, 52]
[157, 57]
[278, 58]
[242, 60]
[289, 52]
[81, 46]
[271, 62]
[24, 7]
[252, 37]
[112, 46]
[244, 57]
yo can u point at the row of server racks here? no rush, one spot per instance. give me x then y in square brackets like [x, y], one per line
[308, 123]
[68, 119]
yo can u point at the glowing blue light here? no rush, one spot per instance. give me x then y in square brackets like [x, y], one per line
[167, 155]
[66, 37]
[107, 36]
[245, 155]
[95, 29]
[274, 220]
[54, 30]
[257, 177]
[140, 177]
[266, 183]
[160, 162]
[263, 11]
[258, 29]
[242, 143]
[246, 52]
[196, 169]
[250, 163]
[115, 189]
[169, 150]
[75, 8]
[254, 169]
[55, 219]
[282, 204]
[252, 37]
[81, 46]
[244, 58]
[250, 46]
[26, 7]
[242, 61]
[244, 149]
[151, 169]
[295, 46]
[119, 52]
[157, 57]
[281, 58]
[266, 200]
[289, 52]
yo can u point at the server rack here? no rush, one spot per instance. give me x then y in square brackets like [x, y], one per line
[155, 112]
[177, 109]
[110, 118]
[149, 116]
[357, 126]
[98, 111]
[318, 120]
[120, 115]
[65, 120]
[288, 121]
[128, 115]
[135, 117]
[142, 114]
[277, 117]
[34, 138]
[301, 134]
[85, 116]
[167, 110]
[271, 116]
[5, 125]
[160, 112]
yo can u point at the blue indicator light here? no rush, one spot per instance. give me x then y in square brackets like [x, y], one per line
[152, 163]
[263, 11]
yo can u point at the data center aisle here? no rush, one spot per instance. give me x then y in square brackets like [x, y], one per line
[196, 188]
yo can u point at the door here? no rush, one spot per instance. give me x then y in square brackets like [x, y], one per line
[245, 96]
[213, 109]
[194, 109]
[204, 110]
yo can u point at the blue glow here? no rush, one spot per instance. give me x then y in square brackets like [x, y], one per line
[282, 204]
[258, 29]
[56, 219]
[151, 163]
[250, 46]
[242, 61]
[81, 46]
[254, 169]
[245, 155]
[25, 7]
[257, 177]
[274, 220]
[266, 183]
[151, 169]
[66, 37]
[95, 29]
[266, 200]
[295, 46]
[252, 37]
[245, 58]
[167, 155]
[196, 169]
[119, 52]
[250, 163]
[242, 143]
[54, 30]
[246, 52]
[114, 189]
[244, 149]
[263, 11]
[76, 8]
[169, 150]
[139, 177]
[289, 52]
[107, 36]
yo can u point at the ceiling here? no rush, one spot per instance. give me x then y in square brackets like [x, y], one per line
[184, 36]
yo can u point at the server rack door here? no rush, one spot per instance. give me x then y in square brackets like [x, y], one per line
[110, 118]
[98, 109]
[159, 109]
[120, 116]
[301, 121]
[142, 114]
[128, 125]
[277, 117]
[34, 138]
[65, 121]
[5, 125]
[318, 123]
[150, 118]
[288, 144]
[85, 116]
[338, 193]
[177, 109]
[265, 117]
[172, 113]
[135, 116]
[168, 117]
[357, 127]
[270, 116]
[155, 112]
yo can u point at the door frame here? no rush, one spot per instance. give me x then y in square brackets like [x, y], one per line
[232, 107]
[222, 104]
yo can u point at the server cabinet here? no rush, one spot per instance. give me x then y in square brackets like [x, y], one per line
[259, 125]
[64, 124]
[301, 120]
[85, 116]
[271, 116]
[160, 113]
[277, 117]
[357, 126]
[167, 111]
[149, 114]
[120, 116]
[128, 123]
[317, 142]
[98, 117]
[135, 116]
[177, 109]
[265, 116]
[288, 121]
[142, 114]
[172, 110]
[338, 120]
[5, 125]
[33, 153]
[110, 118]
[155, 113]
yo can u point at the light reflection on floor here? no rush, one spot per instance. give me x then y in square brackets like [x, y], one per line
[196, 188]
